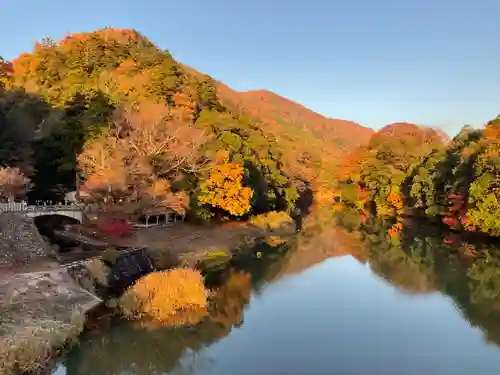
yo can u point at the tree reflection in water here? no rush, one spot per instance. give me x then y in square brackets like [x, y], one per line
[138, 349]
[425, 259]
[413, 258]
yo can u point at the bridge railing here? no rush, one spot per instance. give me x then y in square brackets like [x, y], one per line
[39, 206]
[14, 207]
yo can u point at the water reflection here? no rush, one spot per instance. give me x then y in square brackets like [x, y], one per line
[404, 303]
[424, 259]
[153, 350]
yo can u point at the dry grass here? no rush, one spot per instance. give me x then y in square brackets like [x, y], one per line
[39, 314]
[172, 297]
[272, 220]
[98, 271]
[185, 244]
[33, 349]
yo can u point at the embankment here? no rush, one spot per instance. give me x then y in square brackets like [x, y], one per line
[41, 307]
[43, 304]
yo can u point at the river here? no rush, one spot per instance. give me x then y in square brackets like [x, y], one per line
[339, 303]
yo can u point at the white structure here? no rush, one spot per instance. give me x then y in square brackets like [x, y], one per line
[155, 218]
[71, 211]
[71, 197]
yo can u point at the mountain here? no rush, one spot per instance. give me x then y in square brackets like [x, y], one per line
[305, 134]
[87, 96]
[284, 112]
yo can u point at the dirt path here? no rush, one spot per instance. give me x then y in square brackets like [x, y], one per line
[186, 241]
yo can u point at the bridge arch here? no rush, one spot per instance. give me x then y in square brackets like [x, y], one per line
[48, 224]
[69, 212]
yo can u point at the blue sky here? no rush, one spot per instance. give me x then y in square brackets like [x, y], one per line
[431, 62]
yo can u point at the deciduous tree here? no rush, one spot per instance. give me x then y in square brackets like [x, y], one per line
[224, 189]
[13, 183]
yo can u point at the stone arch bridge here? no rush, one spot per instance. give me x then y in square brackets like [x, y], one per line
[69, 210]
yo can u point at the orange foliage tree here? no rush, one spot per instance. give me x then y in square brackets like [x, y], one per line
[224, 189]
[144, 151]
[4, 69]
[13, 183]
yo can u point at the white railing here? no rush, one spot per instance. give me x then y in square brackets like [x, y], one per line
[14, 207]
[39, 206]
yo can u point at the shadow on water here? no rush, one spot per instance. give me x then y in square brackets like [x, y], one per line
[415, 259]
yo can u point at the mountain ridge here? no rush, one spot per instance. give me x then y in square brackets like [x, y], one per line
[270, 105]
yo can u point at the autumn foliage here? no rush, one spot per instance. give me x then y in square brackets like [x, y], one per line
[373, 176]
[312, 143]
[395, 230]
[142, 152]
[138, 125]
[172, 297]
[116, 228]
[224, 189]
[13, 183]
[406, 167]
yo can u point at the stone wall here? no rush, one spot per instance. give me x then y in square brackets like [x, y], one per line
[128, 268]
[106, 279]
[41, 305]
[21, 244]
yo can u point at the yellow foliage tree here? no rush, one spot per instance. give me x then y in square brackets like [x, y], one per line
[224, 189]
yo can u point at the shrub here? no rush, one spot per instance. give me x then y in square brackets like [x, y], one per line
[271, 220]
[110, 255]
[162, 258]
[116, 228]
[98, 270]
[13, 183]
[216, 254]
[172, 297]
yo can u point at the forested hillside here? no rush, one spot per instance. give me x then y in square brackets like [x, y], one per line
[113, 108]
[407, 169]
[306, 135]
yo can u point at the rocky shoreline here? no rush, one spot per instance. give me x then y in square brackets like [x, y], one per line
[43, 305]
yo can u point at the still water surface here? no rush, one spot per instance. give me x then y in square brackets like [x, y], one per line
[410, 307]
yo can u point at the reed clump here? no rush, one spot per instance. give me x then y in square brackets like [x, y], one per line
[173, 297]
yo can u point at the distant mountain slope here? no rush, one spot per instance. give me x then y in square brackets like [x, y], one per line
[269, 106]
[312, 143]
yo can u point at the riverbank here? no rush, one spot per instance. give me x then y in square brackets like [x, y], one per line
[41, 306]
[46, 302]
[420, 284]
